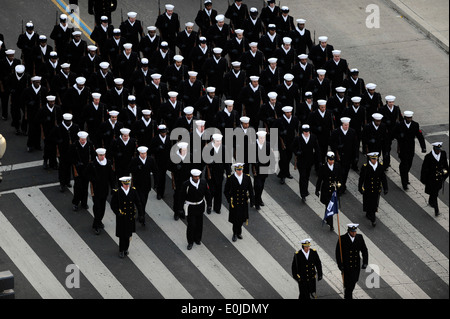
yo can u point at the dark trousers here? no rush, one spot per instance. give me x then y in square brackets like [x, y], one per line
[64, 171]
[161, 181]
[124, 243]
[348, 289]
[194, 228]
[50, 152]
[143, 196]
[215, 186]
[237, 228]
[304, 172]
[404, 167]
[4, 97]
[18, 116]
[98, 209]
[80, 190]
[285, 159]
[260, 179]
[34, 135]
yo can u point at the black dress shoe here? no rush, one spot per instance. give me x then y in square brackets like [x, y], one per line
[97, 231]
[282, 181]
[62, 188]
[121, 254]
[234, 238]
[158, 197]
[217, 211]
[257, 207]
[85, 206]
[239, 236]
[175, 216]
[303, 199]
[189, 246]
[75, 208]
[198, 242]
[436, 211]
[261, 203]
[290, 176]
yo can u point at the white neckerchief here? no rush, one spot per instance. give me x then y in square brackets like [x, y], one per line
[344, 131]
[199, 133]
[163, 139]
[287, 119]
[239, 178]
[105, 29]
[408, 125]
[76, 43]
[337, 63]
[193, 183]
[217, 60]
[156, 86]
[390, 109]
[95, 106]
[118, 91]
[50, 109]
[273, 70]
[254, 54]
[306, 138]
[288, 87]
[151, 38]
[226, 111]
[36, 90]
[237, 74]
[19, 77]
[320, 81]
[209, 99]
[174, 105]
[306, 253]
[351, 238]
[302, 32]
[203, 49]
[182, 156]
[376, 127]
[10, 62]
[125, 190]
[331, 167]
[65, 75]
[54, 65]
[238, 7]
[131, 23]
[238, 40]
[117, 41]
[132, 109]
[259, 144]
[286, 51]
[124, 142]
[354, 81]
[272, 37]
[163, 54]
[244, 129]
[303, 66]
[102, 163]
[253, 21]
[216, 148]
[67, 127]
[371, 96]
[29, 35]
[309, 105]
[143, 160]
[340, 98]
[177, 67]
[220, 28]
[323, 49]
[146, 122]
[356, 110]
[254, 89]
[187, 33]
[374, 166]
[208, 12]
[78, 90]
[144, 72]
[127, 56]
[63, 27]
[112, 124]
[43, 49]
[83, 145]
[436, 156]
[188, 121]
[168, 16]
[322, 114]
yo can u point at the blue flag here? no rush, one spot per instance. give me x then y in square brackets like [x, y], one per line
[332, 207]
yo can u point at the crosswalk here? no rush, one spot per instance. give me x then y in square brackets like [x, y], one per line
[408, 249]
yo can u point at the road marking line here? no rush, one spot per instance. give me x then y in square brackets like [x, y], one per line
[61, 5]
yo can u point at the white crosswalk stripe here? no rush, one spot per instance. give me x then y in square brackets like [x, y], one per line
[218, 272]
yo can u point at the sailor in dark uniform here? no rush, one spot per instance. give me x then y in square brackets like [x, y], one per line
[186, 40]
[150, 43]
[270, 13]
[132, 30]
[238, 190]
[237, 13]
[371, 180]
[110, 129]
[61, 34]
[144, 128]
[122, 150]
[352, 246]
[101, 176]
[124, 203]
[206, 17]
[94, 114]
[142, 168]
[263, 166]
[433, 173]
[321, 53]
[305, 266]
[101, 33]
[195, 191]
[168, 25]
[391, 116]
[301, 37]
[160, 147]
[100, 8]
[354, 84]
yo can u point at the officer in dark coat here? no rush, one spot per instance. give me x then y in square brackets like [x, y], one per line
[307, 152]
[82, 153]
[180, 167]
[238, 190]
[352, 246]
[328, 180]
[371, 180]
[305, 266]
[406, 132]
[64, 136]
[215, 168]
[142, 168]
[101, 176]
[433, 174]
[168, 25]
[101, 8]
[195, 191]
[160, 147]
[391, 116]
[124, 203]
[344, 144]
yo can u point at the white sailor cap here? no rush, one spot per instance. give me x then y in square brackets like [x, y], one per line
[236, 63]
[188, 110]
[189, 24]
[169, 6]
[131, 14]
[322, 102]
[63, 17]
[287, 40]
[253, 44]
[284, 8]
[377, 116]
[217, 50]
[155, 76]
[371, 86]
[200, 123]
[287, 109]
[82, 134]
[142, 149]
[220, 17]
[36, 78]
[356, 99]
[144, 61]
[125, 131]
[10, 52]
[272, 26]
[65, 65]
[29, 24]
[151, 28]
[20, 68]
[210, 89]
[164, 44]
[288, 77]
[96, 95]
[192, 73]
[253, 9]
[272, 95]
[118, 81]
[354, 70]
[301, 21]
[131, 98]
[244, 119]
[51, 98]
[146, 112]
[305, 128]
[303, 56]
[104, 65]
[127, 45]
[100, 151]
[408, 113]
[254, 78]
[162, 127]
[196, 172]
[390, 98]
[172, 94]
[345, 120]
[321, 71]
[182, 145]
[104, 18]
[113, 113]
[238, 31]
[228, 102]
[116, 31]
[42, 37]
[92, 48]
[340, 89]
[217, 137]
[67, 116]
[178, 58]
[336, 52]
[75, 33]
[53, 54]
[80, 80]
[261, 133]
[272, 60]
[308, 95]
[323, 38]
